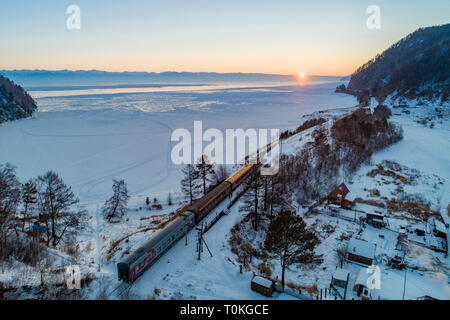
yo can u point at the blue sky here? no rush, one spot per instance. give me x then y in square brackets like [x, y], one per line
[317, 37]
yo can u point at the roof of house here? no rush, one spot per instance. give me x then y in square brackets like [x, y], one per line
[375, 215]
[343, 190]
[440, 226]
[340, 274]
[361, 248]
[262, 281]
[362, 277]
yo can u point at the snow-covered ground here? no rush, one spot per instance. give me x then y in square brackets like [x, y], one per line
[91, 139]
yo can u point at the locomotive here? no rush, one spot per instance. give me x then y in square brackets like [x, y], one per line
[134, 265]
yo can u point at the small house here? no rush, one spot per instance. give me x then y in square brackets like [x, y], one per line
[361, 251]
[375, 219]
[337, 196]
[262, 285]
[440, 230]
[340, 278]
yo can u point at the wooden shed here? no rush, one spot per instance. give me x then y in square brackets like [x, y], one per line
[262, 285]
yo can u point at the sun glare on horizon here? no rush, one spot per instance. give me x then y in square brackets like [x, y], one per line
[302, 75]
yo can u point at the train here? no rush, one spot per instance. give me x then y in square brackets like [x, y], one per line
[135, 264]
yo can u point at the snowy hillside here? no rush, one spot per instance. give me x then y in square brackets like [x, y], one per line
[15, 103]
[414, 67]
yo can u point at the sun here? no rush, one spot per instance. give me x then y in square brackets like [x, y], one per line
[302, 75]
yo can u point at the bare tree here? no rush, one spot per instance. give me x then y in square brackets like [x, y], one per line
[189, 184]
[56, 201]
[205, 170]
[341, 253]
[9, 201]
[252, 198]
[277, 195]
[117, 204]
[289, 240]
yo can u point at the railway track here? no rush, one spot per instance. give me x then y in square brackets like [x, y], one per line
[120, 289]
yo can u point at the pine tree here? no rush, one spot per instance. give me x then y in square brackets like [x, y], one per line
[189, 184]
[29, 199]
[117, 204]
[206, 171]
[288, 239]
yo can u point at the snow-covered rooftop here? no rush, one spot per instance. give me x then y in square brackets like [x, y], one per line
[361, 248]
[340, 274]
[376, 215]
[362, 277]
[440, 226]
[262, 281]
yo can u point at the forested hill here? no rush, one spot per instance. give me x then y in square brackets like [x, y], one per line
[416, 66]
[15, 102]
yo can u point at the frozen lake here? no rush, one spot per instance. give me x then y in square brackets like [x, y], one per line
[92, 135]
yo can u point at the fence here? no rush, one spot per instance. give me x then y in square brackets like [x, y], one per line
[291, 293]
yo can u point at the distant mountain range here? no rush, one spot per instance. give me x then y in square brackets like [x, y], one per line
[31, 78]
[15, 102]
[418, 66]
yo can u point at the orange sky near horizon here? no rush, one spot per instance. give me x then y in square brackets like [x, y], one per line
[277, 37]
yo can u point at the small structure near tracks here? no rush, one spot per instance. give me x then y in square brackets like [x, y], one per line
[262, 285]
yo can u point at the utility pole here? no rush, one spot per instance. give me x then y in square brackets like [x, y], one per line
[185, 230]
[201, 241]
[404, 282]
[404, 285]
